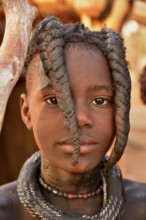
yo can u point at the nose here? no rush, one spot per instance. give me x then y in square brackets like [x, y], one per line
[83, 114]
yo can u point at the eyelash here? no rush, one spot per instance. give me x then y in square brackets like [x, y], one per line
[50, 99]
[102, 101]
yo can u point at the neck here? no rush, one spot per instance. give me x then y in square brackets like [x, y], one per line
[70, 182]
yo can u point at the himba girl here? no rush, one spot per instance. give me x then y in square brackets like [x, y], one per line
[77, 106]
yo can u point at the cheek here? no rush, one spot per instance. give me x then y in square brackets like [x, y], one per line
[106, 128]
[107, 120]
[46, 124]
[110, 124]
[110, 130]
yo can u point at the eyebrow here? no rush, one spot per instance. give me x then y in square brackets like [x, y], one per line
[48, 86]
[92, 88]
[100, 87]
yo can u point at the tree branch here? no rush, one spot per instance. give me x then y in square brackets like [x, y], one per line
[19, 18]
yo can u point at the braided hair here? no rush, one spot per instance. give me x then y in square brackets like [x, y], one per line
[49, 40]
[142, 81]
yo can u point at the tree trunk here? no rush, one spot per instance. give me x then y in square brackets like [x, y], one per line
[19, 18]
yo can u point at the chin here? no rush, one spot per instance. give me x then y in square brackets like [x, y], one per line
[82, 167]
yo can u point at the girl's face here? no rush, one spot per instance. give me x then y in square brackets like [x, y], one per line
[93, 96]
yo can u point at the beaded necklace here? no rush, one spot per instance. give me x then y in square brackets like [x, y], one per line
[32, 198]
[59, 193]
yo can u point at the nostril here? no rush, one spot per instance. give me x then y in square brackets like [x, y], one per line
[84, 119]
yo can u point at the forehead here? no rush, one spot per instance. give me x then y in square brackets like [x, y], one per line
[88, 62]
[74, 51]
[80, 59]
[35, 73]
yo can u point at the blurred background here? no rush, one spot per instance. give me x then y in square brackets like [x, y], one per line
[128, 17]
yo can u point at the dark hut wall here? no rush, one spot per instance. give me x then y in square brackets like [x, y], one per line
[16, 142]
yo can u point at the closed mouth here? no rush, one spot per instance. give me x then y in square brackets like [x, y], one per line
[87, 145]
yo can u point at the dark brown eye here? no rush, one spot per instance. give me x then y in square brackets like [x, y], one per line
[100, 101]
[51, 100]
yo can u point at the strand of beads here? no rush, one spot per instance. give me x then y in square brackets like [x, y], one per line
[69, 195]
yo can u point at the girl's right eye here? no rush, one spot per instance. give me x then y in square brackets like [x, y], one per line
[51, 100]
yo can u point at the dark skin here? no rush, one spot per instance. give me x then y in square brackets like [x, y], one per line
[135, 208]
[93, 101]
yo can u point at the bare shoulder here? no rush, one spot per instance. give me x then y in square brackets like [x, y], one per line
[135, 208]
[9, 201]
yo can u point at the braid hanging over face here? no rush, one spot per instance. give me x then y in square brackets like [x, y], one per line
[142, 81]
[49, 40]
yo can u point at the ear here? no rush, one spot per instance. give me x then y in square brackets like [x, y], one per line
[25, 111]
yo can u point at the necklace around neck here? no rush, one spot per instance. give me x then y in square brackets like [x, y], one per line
[32, 198]
[59, 193]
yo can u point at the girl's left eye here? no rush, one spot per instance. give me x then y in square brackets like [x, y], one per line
[51, 100]
[100, 101]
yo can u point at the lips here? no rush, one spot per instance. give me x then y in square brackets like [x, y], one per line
[87, 145]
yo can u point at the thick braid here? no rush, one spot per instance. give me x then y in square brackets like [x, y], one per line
[32, 50]
[122, 84]
[142, 81]
[50, 43]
